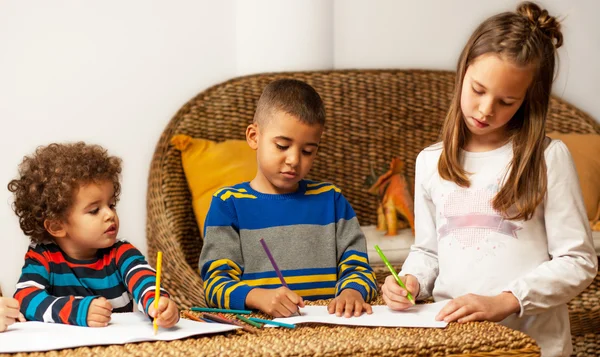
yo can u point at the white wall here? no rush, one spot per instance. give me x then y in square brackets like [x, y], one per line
[431, 34]
[108, 72]
[276, 35]
[114, 72]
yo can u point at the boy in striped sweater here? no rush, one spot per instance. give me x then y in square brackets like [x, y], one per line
[310, 228]
[76, 271]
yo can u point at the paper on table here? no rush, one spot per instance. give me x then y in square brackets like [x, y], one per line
[123, 328]
[422, 315]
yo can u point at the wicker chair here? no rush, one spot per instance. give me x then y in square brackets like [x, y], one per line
[371, 115]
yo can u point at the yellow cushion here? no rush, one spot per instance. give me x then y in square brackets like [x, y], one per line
[585, 149]
[209, 165]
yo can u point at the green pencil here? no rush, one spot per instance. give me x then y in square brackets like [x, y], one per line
[387, 263]
[249, 322]
[270, 322]
[225, 311]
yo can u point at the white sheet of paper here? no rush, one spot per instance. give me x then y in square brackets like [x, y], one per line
[416, 316]
[123, 328]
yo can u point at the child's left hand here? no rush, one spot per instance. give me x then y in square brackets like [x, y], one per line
[349, 300]
[473, 307]
[168, 313]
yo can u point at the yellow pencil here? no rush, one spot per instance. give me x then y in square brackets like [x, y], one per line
[157, 291]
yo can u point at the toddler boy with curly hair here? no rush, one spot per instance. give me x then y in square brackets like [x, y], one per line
[76, 271]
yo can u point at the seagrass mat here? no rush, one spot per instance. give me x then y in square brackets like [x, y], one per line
[470, 339]
[587, 345]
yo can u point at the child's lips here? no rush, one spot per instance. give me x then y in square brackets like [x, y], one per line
[289, 174]
[112, 229]
[480, 124]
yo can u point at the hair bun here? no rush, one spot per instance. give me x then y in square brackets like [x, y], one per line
[540, 19]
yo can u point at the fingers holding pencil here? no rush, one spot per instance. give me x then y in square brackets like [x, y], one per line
[396, 297]
[280, 305]
[167, 313]
[400, 282]
[280, 302]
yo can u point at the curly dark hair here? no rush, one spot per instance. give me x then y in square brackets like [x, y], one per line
[49, 179]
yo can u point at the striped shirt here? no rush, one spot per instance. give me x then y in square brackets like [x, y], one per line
[313, 234]
[56, 288]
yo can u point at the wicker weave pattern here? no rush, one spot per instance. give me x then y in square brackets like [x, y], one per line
[584, 311]
[371, 116]
[470, 339]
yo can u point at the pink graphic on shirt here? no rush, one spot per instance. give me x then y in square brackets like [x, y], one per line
[470, 217]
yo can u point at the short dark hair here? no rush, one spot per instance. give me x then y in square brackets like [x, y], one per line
[49, 179]
[292, 97]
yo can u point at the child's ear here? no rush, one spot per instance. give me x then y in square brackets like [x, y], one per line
[55, 228]
[252, 135]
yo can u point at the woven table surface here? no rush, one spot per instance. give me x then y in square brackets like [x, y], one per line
[469, 339]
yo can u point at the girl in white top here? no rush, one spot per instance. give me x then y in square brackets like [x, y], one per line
[501, 227]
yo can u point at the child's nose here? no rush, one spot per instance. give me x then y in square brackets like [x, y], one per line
[292, 159]
[110, 214]
[486, 108]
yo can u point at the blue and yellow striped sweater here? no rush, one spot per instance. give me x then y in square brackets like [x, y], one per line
[312, 233]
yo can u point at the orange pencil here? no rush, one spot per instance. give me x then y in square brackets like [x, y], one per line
[224, 320]
[192, 317]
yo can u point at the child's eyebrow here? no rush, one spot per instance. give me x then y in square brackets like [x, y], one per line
[91, 204]
[289, 139]
[482, 86]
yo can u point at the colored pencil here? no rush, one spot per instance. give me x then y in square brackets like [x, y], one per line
[389, 266]
[276, 268]
[224, 320]
[157, 290]
[270, 322]
[248, 321]
[192, 317]
[226, 311]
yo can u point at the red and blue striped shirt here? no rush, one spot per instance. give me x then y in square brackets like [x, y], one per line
[56, 288]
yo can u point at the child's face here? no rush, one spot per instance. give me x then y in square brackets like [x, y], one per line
[492, 92]
[285, 151]
[92, 222]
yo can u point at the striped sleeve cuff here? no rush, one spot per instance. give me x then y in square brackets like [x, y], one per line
[82, 310]
[231, 295]
[356, 286]
[148, 299]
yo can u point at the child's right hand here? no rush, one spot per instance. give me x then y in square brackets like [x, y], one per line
[395, 296]
[99, 312]
[9, 313]
[280, 302]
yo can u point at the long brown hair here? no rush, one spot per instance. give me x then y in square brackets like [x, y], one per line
[527, 37]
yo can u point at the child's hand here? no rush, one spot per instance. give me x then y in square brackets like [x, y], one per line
[99, 312]
[349, 301]
[168, 313]
[280, 302]
[9, 313]
[473, 307]
[395, 296]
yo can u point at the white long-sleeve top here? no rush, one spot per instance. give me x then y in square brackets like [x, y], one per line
[463, 245]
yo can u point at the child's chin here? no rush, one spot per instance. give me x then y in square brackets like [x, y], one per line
[109, 242]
